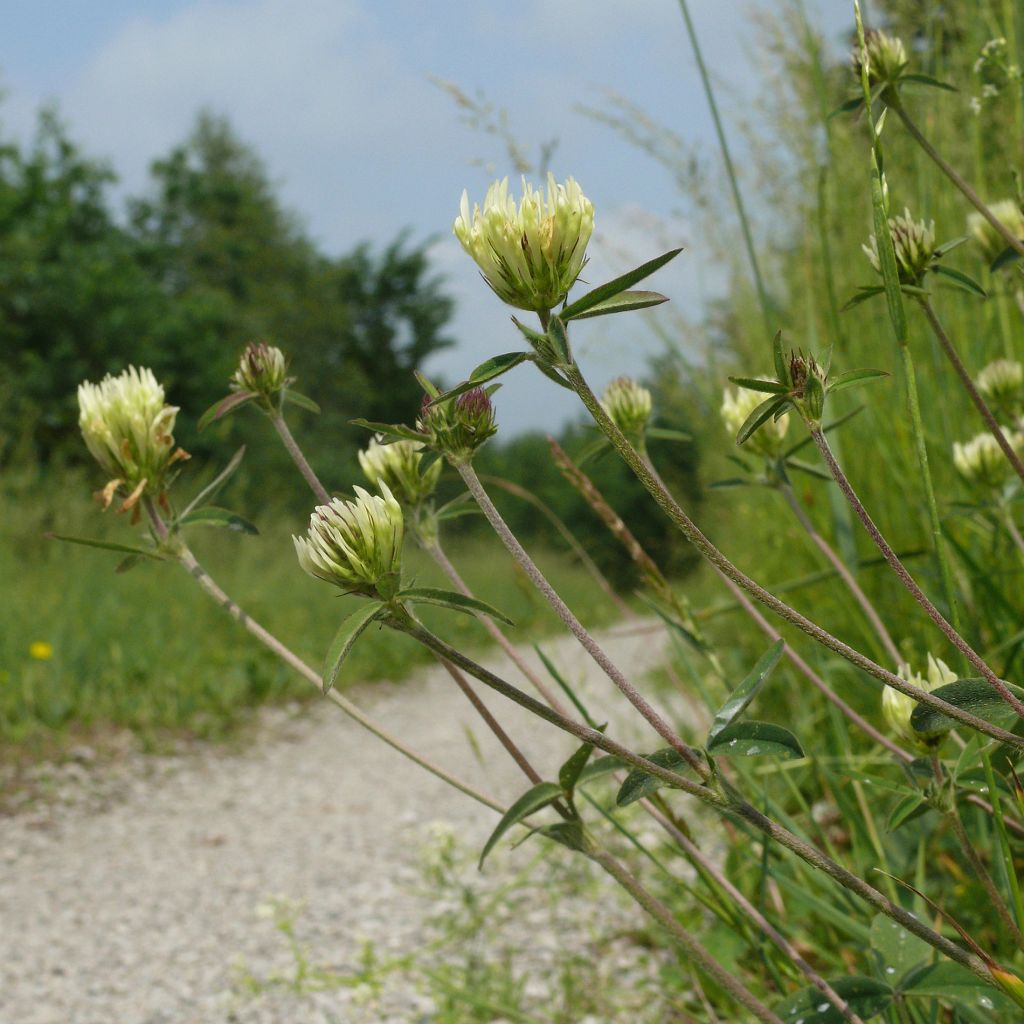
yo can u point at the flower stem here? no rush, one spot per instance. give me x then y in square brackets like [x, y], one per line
[293, 449]
[563, 611]
[906, 579]
[972, 197]
[969, 386]
[690, 530]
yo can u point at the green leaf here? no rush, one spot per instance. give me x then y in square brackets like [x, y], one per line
[568, 833]
[348, 633]
[732, 481]
[955, 984]
[929, 81]
[960, 280]
[761, 414]
[805, 467]
[621, 303]
[602, 766]
[558, 341]
[214, 486]
[851, 378]
[973, 695]
[535, 338]
[907, 809]
[395, 430]
[496, 366]
[896, 949]
[224, 406]
[772, 387]
[211, 515]
[569, 773]
[533, 800]
[614, 287]
[454, 601]
[756, 739]
[105, 545]
[127, 564]
[552, 374]
[865, 996]
[665, 434]
[854, 103]
[741, 697]
[639, 783]
[1007, 256]
[300, 400]
[947, 247]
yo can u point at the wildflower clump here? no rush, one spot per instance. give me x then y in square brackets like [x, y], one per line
[127, 427]
[356, 545]
[898, 707]
[531, 253]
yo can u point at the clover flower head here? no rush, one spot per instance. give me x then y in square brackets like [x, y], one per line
[914, 242]
[737, 405]
[887, 57]
[1002, 382]
[991, 243]
[628, 404]
[356, 545]
[531, 253]
[897, 707]
[398, 466]
[981, 461]
[127, 427]
[261, 369]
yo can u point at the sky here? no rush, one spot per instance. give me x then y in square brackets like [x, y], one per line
[338, 98]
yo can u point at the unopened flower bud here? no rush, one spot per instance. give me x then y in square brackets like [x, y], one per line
[629, 406]
[398, 466]
[809, 381]
[356, 545]
[1008, 213]
[981, 460]
[887, 57]
[914, 242]
[530, 255]
[127, 427]
[737, 405]
[897, 707]
[459, 426]
[261, 369]
[1002, 383]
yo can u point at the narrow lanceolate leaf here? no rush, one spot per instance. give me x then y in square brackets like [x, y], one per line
[211, 515]
[105, 545]
[601, 766]
[973, 695]
[755, 739]
[741, 697]
[348, 633]
[771, 387]
[393, 430]
[639, 784]
[300, 400]
[667, 434]
[907, 809]
[224, 406]
[551, 373]
[862, 295]
[569, 773]
[210, 491]
[865, 996]
[619, 284]
[760, 415]
[569, 833]
[1008, 255]
[533, 800]
[929, 81]
[851, 378]
[953, 243]
[487, 370]
[622, 303]
[961, 280]
[854, 103]
[451, 599]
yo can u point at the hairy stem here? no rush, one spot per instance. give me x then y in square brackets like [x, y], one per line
[578, 630]
[690, 530]
[969, 386]
[907, 580]
[293, 449]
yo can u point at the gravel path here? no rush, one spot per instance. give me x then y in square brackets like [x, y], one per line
[138, 908]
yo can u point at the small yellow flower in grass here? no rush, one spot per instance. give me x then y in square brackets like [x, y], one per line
[914, 242]
[127, 427]
[530, 254]
[356, 545]
[1008, 213]
[628, 404]
[737, 405]
[981, 460]
[40, 650]
[898, 707]
[398, 466]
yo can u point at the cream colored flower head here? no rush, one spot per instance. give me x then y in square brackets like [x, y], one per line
[981, 460]
[530, 254]
[887, 57]
[398, 466]
[1002, 383]
[354, 544]
[127, 427]
[898, 707]
[628, 404]
[261, 369]
[737, 405]
[914, 242]
[1008, 213]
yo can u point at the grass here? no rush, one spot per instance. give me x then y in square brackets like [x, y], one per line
[83, 650]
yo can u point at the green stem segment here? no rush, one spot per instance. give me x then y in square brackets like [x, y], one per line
[293, 449]
[690, 530]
